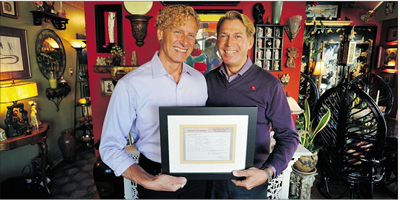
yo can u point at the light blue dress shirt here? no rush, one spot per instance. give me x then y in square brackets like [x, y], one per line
[134, 107]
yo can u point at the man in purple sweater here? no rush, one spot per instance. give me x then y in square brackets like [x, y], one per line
[239, 82]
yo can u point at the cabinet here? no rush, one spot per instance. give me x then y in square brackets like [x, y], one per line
[268, 47]
[83, 113]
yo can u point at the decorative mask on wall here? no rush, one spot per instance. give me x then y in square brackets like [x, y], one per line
[292, 26]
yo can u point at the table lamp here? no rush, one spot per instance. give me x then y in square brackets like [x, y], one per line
[11, 94]
[294, 107]
[319, 71]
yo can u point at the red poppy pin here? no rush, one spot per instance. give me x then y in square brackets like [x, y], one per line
[253, 87]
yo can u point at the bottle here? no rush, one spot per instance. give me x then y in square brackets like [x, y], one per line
[52, 80]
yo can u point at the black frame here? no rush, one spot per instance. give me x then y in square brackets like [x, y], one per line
[26, 71]
[166, 111]
[100, 28]
[13, 4]
[392, 34]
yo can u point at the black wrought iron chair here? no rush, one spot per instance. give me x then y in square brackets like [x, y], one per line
[371, 84]
[352, 142]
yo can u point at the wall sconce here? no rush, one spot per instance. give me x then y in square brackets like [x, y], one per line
[139, 27]
[319, 71]
[11, 94]
[292, 26]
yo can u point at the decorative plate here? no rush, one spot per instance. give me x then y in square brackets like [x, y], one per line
[138, 7]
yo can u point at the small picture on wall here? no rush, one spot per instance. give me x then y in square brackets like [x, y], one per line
[391, 34]
[390, 57]
[107, 86]
[389, 78]
[9, 9]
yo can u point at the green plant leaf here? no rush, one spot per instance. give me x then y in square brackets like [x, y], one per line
[322, 123]
[306, 116]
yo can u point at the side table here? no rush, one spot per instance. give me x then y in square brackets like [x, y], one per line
[37, 136]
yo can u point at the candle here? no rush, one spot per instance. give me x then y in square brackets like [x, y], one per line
[377, 97]
[60, 6]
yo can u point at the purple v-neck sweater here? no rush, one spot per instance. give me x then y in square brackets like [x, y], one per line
[257, 87]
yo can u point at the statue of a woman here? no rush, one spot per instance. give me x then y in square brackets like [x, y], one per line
[34, 120]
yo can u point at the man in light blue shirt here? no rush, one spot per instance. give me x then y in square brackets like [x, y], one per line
[164, 81]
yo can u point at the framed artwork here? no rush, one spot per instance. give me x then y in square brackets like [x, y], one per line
[108, 27]
[387, 57]
[389, 78]
[323, 10]
[391, 34]
[9, 9]
[15, 62]
[107, 86]
[329, 56]
[207, 142]
[205, 56]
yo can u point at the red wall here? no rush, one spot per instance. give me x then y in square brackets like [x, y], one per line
[146, 52]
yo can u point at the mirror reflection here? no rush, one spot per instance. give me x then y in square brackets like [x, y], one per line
[50, 53]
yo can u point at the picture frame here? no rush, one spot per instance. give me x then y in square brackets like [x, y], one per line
[389, 78]
[9, 9]
[107, 86]
[387, 56]
[329, 56]
[324, 10]
[17, 65]
[205, 57]
[103, 13]
[391, 34]
[189, 135]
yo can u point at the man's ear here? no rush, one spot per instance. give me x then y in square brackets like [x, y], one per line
[251, 41]
[160, 34]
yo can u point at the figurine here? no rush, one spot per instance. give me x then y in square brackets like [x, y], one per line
[292, 54]
[276, 65]
[277, 33]
[34, 119]
[258, 63]
[258, 12]
[277, 43]
[259, 43]
[268, 54]
[260, 32]
[268, 32]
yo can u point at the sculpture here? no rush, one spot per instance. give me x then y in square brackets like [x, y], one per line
[292, 26]
[34, 120]
[258, 12]
[292, 54]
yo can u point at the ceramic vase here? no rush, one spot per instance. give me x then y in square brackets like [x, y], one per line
[276, 12]
[307, 163]
[268, 54]
[108, 185]
[67, 143]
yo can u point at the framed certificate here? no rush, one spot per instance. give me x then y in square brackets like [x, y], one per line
[207, 142]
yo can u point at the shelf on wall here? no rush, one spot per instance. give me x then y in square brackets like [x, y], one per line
[58, 22]
[113, 70]
[330, 23]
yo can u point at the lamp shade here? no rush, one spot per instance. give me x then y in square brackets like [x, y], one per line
[294, 107]
[320, 69]
[17, 91]
[77, 43]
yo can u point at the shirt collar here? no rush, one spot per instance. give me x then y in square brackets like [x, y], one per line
[158, 69]
[245, 67]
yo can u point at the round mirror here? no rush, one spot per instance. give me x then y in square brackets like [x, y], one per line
[50, 53]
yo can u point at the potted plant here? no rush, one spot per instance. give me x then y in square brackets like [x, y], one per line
[117, 52]
[307, 136]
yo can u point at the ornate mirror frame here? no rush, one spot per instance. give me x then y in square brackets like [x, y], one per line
[50, 56]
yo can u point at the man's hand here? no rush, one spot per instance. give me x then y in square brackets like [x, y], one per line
[254, 177]
[160, 182]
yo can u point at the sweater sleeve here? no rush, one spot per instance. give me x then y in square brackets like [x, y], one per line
[285, 135]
